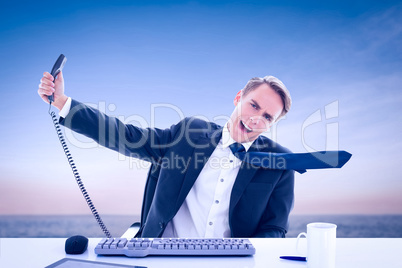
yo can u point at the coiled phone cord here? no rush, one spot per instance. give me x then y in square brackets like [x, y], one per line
[76, 174]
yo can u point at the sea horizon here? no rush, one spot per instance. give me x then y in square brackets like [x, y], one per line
[348, 225]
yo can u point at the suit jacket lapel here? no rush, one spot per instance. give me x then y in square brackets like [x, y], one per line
[206, 144]
[246, 173]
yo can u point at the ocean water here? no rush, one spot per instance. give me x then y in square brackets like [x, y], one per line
[64, 226]
[364, 226]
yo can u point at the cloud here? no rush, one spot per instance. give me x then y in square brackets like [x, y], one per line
[382, 31]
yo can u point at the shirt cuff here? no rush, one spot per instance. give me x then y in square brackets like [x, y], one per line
[66, 108]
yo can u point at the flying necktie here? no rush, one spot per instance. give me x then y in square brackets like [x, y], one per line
[292, 161]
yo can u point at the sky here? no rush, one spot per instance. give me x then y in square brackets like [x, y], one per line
[151, 63]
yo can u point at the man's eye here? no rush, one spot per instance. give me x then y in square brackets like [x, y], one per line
[268, 118]
[253, 105]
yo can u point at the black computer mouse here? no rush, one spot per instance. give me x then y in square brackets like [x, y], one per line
[76, 244]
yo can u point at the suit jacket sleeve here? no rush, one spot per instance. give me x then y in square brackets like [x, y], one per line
[146, 144]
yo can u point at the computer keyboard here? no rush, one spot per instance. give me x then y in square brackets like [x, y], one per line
[141, 247]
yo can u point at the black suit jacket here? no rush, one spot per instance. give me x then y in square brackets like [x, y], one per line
[261, 199]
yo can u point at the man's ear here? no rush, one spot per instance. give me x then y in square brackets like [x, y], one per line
[237, 98]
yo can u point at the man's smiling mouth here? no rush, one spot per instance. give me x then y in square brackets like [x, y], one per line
[245, 127]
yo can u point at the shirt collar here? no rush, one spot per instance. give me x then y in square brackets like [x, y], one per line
[227, 139]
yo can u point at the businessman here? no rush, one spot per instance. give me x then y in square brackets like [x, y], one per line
[197, 187]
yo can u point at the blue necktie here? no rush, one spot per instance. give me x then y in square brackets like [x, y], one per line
[292, 161]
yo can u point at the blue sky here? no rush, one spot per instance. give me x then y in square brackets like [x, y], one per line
[152, 62]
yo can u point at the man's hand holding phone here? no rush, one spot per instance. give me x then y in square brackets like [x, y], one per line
[47, 87]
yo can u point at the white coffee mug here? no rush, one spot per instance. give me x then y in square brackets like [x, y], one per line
[321, 244]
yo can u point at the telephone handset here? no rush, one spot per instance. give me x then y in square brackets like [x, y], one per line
[57, 67]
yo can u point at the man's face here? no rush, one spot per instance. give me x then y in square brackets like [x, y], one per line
[254, 113]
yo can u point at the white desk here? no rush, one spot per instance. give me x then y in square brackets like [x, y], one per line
[351, 252]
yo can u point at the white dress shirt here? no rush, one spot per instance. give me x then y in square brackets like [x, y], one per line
[205, 211]
[66, 108]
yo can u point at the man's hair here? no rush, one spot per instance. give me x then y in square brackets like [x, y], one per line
[276, 85]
